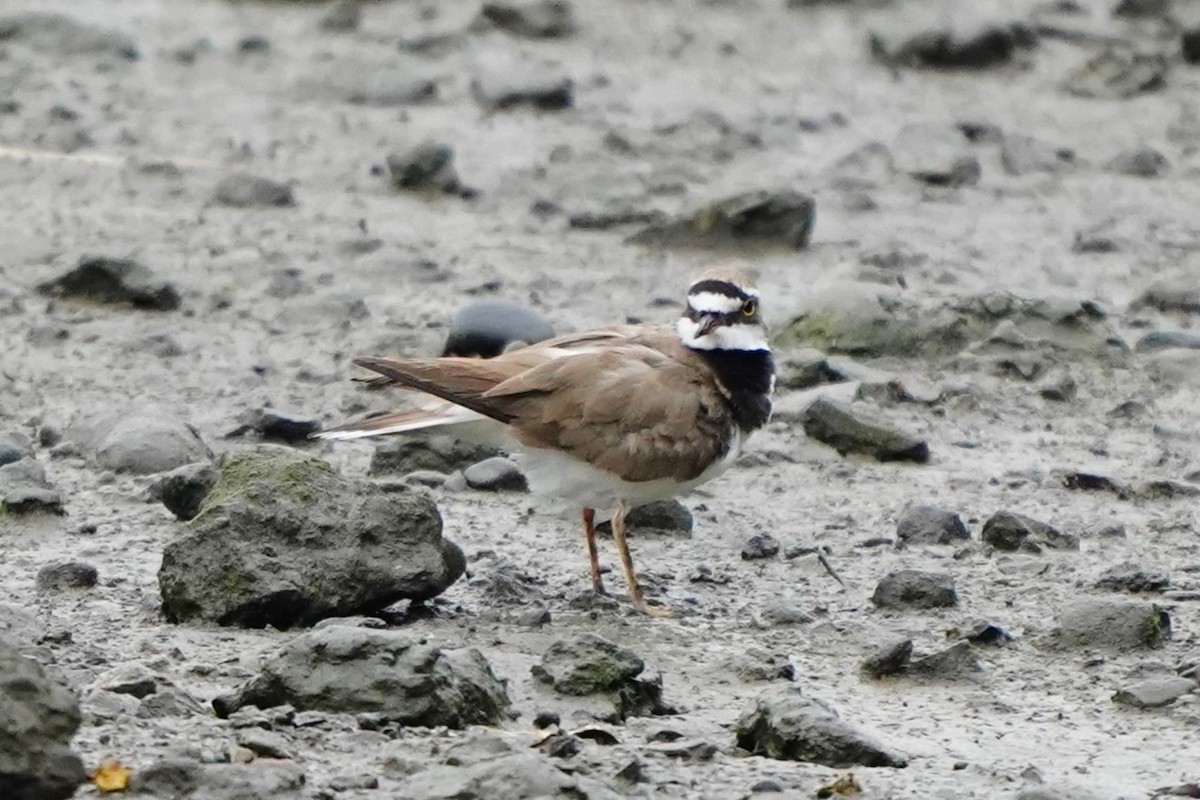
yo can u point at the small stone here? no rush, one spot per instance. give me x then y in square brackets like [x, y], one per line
[66, 575]
[402, 455]
[544, 91]
[661, 516]
[1154, 692]
[889, 659]
[1117, 74]
[114, 281]
[428, 166]
[131, 678]
[13, 448]
[281, 426]
[848, 429]
[1057, 385]
[486, 328]
[910, 588]
[781, 613]
[141, 440]
[1131, 577]
[183, 490]
[24, 489]
[342, 17]
[1142, 162]
[1181, 295]
[264, 743]
[1010, 532]
[586, 664]
[546, 719]
[169, 777]
[349, 783]
[535, 19]
[1121, 625]
[64, 36]
[988, 633]
[938, 155]
[242, 190]
[979, 44]
[766, 786]
[955, 662]
[761, 218]
[1024, 155]
[1156, 341]
[496, 474]
[759, 546]
[1189, 45]
[170, 702]
[931, 525]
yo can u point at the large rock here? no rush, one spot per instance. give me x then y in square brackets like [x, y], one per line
[912, 588]
[786, 725]
[24, 489]
[847, 428]
[1113, 624]
[283, 540]
[760, 218]
[38, 717]
[115, 281]
[387, 673]
[138, 440]
[585, 664]
[1008, 531]
[931, 525]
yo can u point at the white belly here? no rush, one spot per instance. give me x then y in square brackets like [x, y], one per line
[554, 474]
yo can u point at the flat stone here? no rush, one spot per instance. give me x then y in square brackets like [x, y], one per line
[534, 19]
[1128, 576]
[760, 546]
[427, 166]
[891, 658]
[24, 489]
[926, 524]
[1118, 74]
[969, 44]
[496, 474]
[761, 218]
[1154, 692]
[114, 281]
[66, 575]
[1120, 625]
[849, 429]
[586, 664]
[486, 328]
[910, 588]
[242, 190]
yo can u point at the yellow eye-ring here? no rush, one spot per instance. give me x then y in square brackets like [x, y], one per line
[749, 308]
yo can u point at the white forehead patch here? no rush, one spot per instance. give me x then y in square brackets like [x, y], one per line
[713, 303]
[725, 337]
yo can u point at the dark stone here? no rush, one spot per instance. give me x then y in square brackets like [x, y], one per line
[1181, 295]
[955, 662]
[889, 659]
[1156, 341]
[1113, 624]
[343, 16]
[515, 775]
[428, 166]
[661, 516]
[140, 440]
[847, 429]
[280, 426]
[283, 540]
[13, 448]
[486, 328]
[760, 218]
[183, 490]
[1131, 577]
[988, 633]
[407, 454]
[586, 664]
[1091, 482]
[169, 777]
[544, 91]
[1008, 531]
[496, 474]
[980, 45]
[66, 575]
[1142, 162]
[536, 19]
[38, 718]
[1117, 74]
[116, 281]
[1154, 692]
[382, 672]
[60, 35]
[937, 155]
[759, 546]
[546, 719]
[911, 588]
[931, 525]
[784, 724]
[24, 489]
[241, 190]
[1189, 46]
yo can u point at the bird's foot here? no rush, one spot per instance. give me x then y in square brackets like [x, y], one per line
[652, 611]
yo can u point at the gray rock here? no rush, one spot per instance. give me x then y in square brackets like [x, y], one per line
[931, 525]
[495, 474]
[891, 658]
[66, 575]
[938, 155]
[1113, 624]
[848, 429]
[1057, 385]
[380, 90]
[543, 90]
[343, 16]
[784, 724]
[761, 218]
[361, 548]
[1010, 532]
[170, 777]
[586, 664]
[115, 281]
[520, 776]
[170, 702]
[402, 455]
[967, 45]
[273, 425]
[953, 663]
[130, 678]
[428, 166]
[182, 490]
[1177, 295]
[1154, 692]
[60, 35]
[38, 717]
[382, 672]
[486, 328]
[14, 447]
[183, 777]
[911, 588]
[1142, 162]
[659, 517]
[1155, 341]
[760, 546]
[1024, 155]
[1117, 74]
[241, 190]
[1129, 576]
[535, 19]
[267, 744]
[139, 440]
[988, 633]
[24, 489]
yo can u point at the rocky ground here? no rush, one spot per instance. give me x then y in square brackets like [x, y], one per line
[971, 528]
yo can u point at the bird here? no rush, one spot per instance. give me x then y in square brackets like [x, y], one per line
[607, 419]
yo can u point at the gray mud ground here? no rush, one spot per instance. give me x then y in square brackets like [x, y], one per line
[766, 96]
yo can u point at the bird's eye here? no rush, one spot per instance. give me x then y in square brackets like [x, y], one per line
[749, 308]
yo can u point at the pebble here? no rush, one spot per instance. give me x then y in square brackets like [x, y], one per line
[974, 43]
[955, 662]
[66, 575]
[585, 664]
[1008, 531]
[1154, 692]
[1130, 576]
[343, 16]
[927, 524]
[937, 155]
[544, 90]
[1118, 73]
[534, 19]
[282, 426]
[115, 281]
[242, 190]
[182, 490]
[1141, 162]
[427, 166]
[988, 633]
[486, 328]
[495, 474]
[1155, 341]
[758, 218]
[267, 744]
[849, 429]
[891, 658]
[24, 489]
[910, 588]
[13, 448]
[759, 546]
